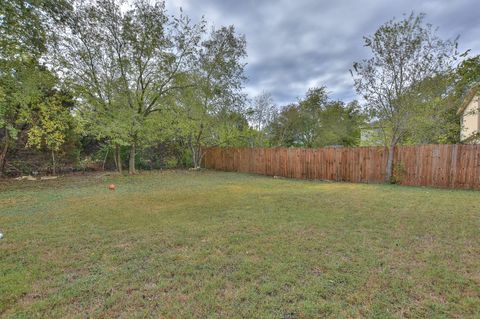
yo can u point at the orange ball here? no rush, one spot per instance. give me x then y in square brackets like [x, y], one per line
[111, 187]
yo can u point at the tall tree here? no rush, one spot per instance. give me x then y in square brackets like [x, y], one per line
[218, 77]
[124, 65]
[404, 53]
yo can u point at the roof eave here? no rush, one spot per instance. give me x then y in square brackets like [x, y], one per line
[468, 98]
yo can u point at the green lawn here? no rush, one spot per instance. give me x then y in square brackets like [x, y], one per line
[223, 245]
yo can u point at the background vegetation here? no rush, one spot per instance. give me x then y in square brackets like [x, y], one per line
[100, 85]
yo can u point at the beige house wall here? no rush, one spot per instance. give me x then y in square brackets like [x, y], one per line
[470, 119]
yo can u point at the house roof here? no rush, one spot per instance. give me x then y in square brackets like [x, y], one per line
[474, 91]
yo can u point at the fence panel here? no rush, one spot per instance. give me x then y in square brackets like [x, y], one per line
[454, 166]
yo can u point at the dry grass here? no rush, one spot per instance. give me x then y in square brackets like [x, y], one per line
[205, 244]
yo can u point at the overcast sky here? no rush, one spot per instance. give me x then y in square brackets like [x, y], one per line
[296, 44]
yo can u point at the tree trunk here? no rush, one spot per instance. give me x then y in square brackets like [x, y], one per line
[105, 159]
[115, 157]
[196, 155]
[196, 148]
[131, 161]
[118, 159]
[54, 171]
[3, 155]
[200, 156]
[389, 170]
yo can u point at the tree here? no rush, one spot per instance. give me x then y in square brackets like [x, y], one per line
[232, 129]
[405, 53]
[218, 78]
[340, 124]
[298, 123]
[50, 121]
[467, 75]
[435, 120]
[467, 82]
[284, 130]
[317, 121]
[261, 114]
[310, 110]
[263, 111]
[24, 34]
[21, 89]
[124, 65]
[25, 26]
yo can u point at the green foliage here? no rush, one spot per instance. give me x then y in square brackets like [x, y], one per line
[21, 88]
[372, 134]
[468, 75]
[125, 65]
[49, 122]
[209, 112]
[232, 129]
[399, 172]
[341, 124]
[142, 78]
[261, 113]
[24, 82]
[316, 121]
[139, 76]
[435, 120]
[405, 54]
[25, 26]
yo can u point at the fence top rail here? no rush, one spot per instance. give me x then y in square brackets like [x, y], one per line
[338, 147]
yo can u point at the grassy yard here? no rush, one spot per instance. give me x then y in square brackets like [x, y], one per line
[224, 245]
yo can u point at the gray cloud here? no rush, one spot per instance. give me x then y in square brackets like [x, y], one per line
[294, 45]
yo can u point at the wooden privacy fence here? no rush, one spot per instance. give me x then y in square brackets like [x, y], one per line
[454, 166]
